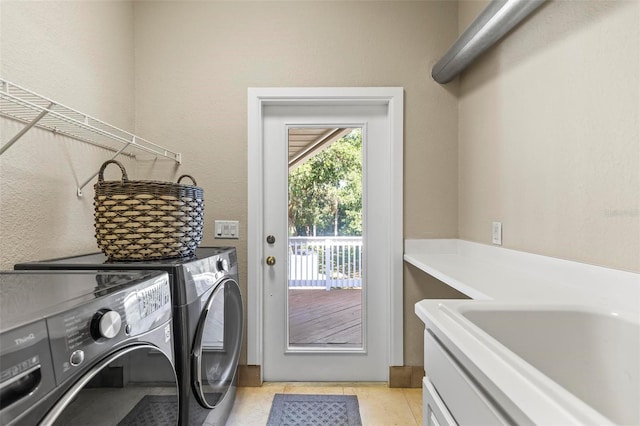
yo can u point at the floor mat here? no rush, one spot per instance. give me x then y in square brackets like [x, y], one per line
[162, 410]
[309, 410]
[153, 410]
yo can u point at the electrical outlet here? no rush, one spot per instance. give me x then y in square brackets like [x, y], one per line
[227, 229]
[496, 233]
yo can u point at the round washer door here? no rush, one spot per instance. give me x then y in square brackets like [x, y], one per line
[135, 384]
[216, 348]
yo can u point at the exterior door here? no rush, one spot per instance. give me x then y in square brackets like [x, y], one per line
[367, 359]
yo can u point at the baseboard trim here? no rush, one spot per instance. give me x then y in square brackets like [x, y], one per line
[406, 376]
[249, 376]
[399, 377]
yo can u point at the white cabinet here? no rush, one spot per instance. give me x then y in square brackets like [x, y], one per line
[435, 412]
[451, 395]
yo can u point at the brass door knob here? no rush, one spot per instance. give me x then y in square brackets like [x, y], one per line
[271, 260]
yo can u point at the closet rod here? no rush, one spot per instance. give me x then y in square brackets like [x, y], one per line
[497, 19]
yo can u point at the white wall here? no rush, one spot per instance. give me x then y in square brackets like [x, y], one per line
[81, 55]
[549, 139]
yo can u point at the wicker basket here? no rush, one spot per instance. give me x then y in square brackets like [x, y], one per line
[142, 220]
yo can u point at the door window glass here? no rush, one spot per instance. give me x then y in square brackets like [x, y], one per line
[325, 280]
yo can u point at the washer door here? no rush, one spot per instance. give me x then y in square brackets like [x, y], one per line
[217, 344]
[134, 385]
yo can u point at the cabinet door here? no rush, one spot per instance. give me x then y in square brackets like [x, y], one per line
[466, 402]
[433, 421]
[435, 413]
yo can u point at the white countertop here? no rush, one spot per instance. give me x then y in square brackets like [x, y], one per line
[502, 279]
[485, 272]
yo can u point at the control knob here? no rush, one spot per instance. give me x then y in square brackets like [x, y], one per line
[223, 265]
[106, 324]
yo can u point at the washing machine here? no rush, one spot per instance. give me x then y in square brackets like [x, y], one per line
[86, 348]
[208, 324]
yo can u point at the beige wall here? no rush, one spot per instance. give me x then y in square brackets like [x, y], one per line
[549, 135]
[548, 121]
[79, 54]
[205, 67]
[189, 65]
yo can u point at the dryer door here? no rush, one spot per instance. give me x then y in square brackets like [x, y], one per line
[132, 385]
[217, 343]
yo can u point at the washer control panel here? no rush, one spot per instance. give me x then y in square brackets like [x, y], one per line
[87, 332]
[106, 324]
[26, 375]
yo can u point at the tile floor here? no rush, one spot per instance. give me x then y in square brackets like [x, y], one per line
[379, 404]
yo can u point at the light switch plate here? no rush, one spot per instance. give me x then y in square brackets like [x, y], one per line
[227, 229]
[496, 233]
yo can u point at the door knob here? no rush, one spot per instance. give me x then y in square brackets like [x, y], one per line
[271, 260]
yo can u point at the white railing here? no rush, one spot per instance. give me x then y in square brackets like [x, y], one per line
[327, 262]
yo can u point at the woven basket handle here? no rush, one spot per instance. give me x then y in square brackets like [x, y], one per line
[187, 176]
[104, 166]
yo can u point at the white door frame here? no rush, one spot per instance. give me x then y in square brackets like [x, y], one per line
[392, 97]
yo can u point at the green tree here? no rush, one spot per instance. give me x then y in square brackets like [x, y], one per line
[325, 193]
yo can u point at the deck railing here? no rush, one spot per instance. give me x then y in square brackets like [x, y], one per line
[328, 262]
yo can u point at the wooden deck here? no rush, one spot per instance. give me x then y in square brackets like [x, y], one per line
[320, 318]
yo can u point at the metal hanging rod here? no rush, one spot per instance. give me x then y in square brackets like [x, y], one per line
[35, 110]
[497, 19]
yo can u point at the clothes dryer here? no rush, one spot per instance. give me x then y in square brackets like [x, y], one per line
[86, 348]
[208, 324]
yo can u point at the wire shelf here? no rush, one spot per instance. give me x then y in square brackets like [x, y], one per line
[35, 110]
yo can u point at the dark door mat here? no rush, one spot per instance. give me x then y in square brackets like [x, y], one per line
[309, 410]
[153, 410]
[162, 410]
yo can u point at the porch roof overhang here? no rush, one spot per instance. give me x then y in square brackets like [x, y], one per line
[305, 142]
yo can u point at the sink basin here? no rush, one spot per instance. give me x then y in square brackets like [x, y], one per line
[594, 355]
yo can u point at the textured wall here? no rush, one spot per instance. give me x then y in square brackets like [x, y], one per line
[549, 135]
[195, 60]
[81, 55]
[193, 64]
[548, 123]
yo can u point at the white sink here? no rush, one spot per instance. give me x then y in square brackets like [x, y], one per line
[570, 362]
[594, 355]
